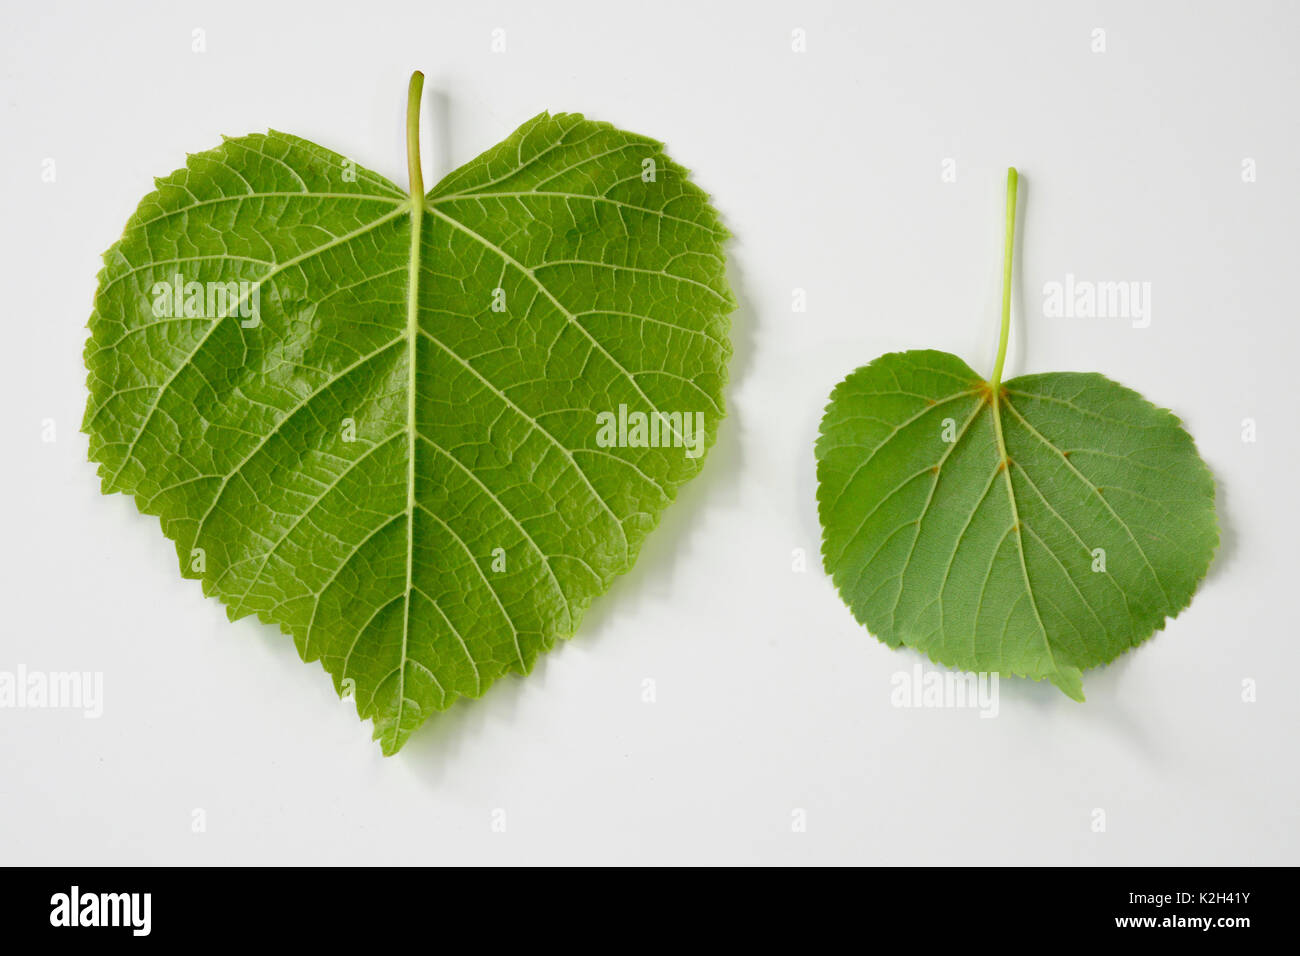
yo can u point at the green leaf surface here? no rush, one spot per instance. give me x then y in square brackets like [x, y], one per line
[988, 563]
[1035, 527]
[398, 461]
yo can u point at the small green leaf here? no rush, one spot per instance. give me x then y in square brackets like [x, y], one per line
[398, 455]
[1036, 527]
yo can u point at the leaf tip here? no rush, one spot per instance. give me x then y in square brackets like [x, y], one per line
[1069, 681]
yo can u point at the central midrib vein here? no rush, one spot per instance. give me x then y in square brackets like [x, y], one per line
[412, 338]
[995, 403]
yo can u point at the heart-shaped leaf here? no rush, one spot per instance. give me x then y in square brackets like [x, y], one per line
[420, 433]
[1036, 527]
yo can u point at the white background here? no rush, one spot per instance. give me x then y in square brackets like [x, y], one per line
[770, 699]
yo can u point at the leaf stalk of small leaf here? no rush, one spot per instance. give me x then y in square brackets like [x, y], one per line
[1013, 180]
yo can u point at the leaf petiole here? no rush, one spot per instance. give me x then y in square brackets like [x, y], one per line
[1013, 180]
[413, 138]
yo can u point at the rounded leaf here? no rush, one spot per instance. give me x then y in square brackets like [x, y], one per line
[1039, 532]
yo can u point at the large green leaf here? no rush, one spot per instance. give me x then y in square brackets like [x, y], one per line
[1035, 527]
[396, 459]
